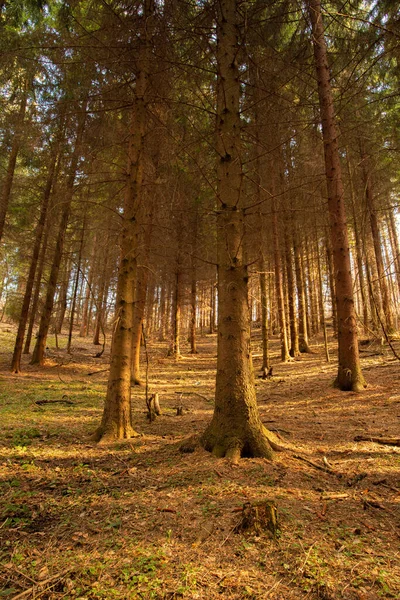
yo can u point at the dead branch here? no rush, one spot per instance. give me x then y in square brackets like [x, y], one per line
[65, 401]
[378, 440]
[325, 468]
[38, 586]
[194, 394]
[96, 372]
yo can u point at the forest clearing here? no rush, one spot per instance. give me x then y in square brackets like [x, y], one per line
[139, 519]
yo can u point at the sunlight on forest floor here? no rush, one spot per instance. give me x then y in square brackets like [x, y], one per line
[139, 519]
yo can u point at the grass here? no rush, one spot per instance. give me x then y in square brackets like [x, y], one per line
[140, 520]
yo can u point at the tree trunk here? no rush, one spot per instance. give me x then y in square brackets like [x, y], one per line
[387, 316]
[63, 296]
[12, 160]
[138, 319]
[161, 336]
[116, 422]
[349, 375]
[76, 282]
[176, 318]
[39, 350]
[264, 316]
[235, 429]
[23, 318]
[358, 244]
[294, 335]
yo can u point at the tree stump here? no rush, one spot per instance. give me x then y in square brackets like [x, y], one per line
[258, 518]
[153, 407]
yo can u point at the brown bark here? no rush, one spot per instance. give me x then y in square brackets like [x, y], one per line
[63, 296]
[376, 238]
[358, 245]
[349, 375]
[176, 316]
[138, 319]
[39, 350]
[264, 316]
[394, 241]
[161, 336]
[235, 429]
[76, 282]
[88, 293]
[279, 288]
[12, 160]
[302, 308]
[294, 334]
[116, 421]
[23, 318]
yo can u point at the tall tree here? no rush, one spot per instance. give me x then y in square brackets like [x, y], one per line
[235, 429]
[349, 376]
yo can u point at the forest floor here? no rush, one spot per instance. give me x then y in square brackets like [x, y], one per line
[142, 520]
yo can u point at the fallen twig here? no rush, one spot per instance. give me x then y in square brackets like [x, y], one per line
[64, 401]
[324, 468]
[378, 440]
[194, 394]
[96, 372]
[40, 584]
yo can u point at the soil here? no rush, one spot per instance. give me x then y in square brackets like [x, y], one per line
[140, 519]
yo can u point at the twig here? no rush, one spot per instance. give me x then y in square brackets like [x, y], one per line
[325, 468]
[41, 584]
[377, 440]
[95, 372]
[40, 402]
[193, 394]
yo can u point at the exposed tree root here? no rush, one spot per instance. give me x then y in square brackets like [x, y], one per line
[104, 437]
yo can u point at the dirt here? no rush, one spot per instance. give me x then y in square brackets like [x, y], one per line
[139, 519]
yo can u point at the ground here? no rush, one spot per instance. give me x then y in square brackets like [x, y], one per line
[140, 519]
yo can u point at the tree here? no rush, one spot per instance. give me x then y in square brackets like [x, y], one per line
[349, 376]
[116, 421]
[235, 429]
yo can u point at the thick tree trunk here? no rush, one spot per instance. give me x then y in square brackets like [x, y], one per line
[349, 375]
[235, 429]
[116, 422]
[39, 350]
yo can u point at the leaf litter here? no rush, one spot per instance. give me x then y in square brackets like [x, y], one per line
[139, 519]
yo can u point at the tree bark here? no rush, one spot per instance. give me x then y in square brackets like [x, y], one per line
[387, 316]
[39, 350]
[235, 429]
[349, 375]
[116, 421]
[12, 159]
[23, 318]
